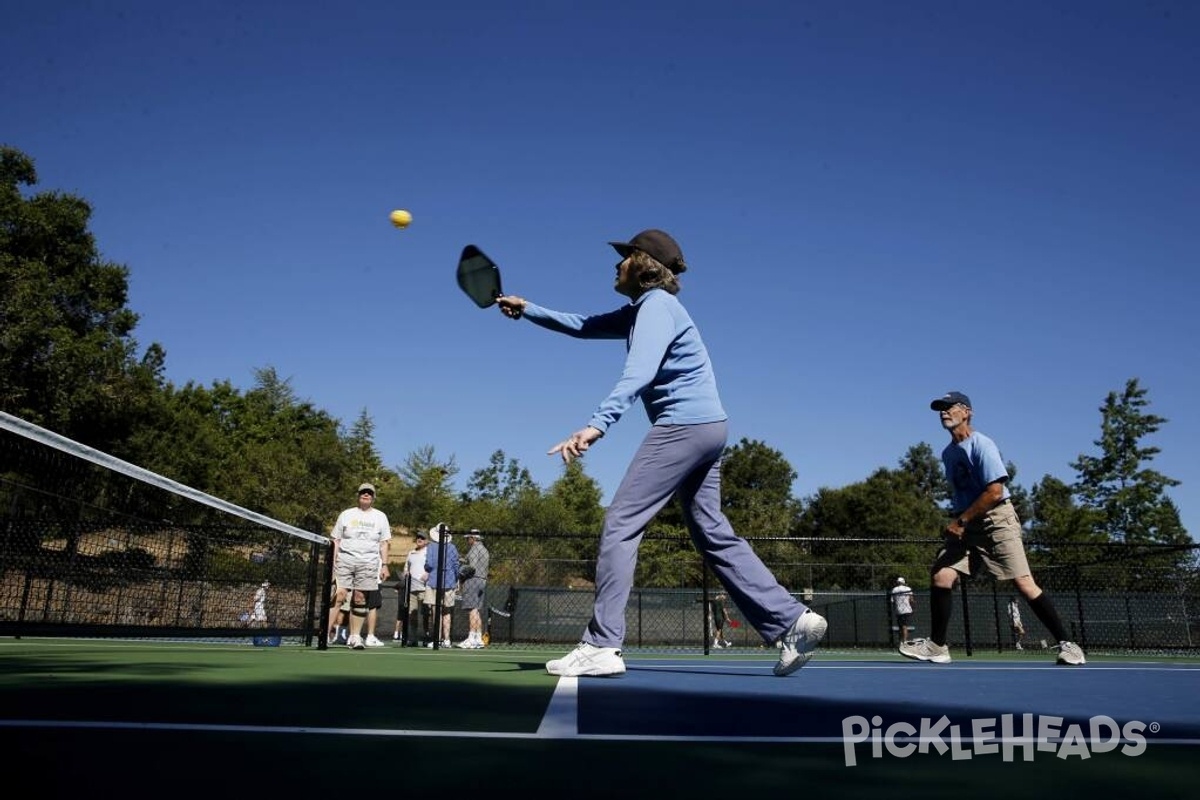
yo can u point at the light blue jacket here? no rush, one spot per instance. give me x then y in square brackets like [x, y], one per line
[666, 365]
[448, 579]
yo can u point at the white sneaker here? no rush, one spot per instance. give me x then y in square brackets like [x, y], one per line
[355, 643]
[798, 644]
[926, 650]
[373, 641]
[1070, 653]
[718, 646]
[588, 660]
[446, 644]
[466, 644]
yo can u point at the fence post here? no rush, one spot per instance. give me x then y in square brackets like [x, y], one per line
[639, 617]
[996, 614]
[1079, 608]
[439, 595]
[1187, 621]
[891, 620]
[966, 616]
[1129, 622]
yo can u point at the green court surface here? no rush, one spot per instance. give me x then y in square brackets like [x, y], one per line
[148, 718]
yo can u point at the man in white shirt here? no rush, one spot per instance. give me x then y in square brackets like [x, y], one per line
[361, 539]
[258, 614]
[902, 601]
[1014, 621]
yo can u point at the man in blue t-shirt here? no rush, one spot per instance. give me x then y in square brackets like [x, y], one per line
[984, 532]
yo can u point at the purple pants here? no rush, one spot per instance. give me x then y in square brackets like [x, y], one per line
[684, 459]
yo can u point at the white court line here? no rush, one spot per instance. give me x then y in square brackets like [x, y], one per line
[411, 733]
[561, 720]
[183, 726]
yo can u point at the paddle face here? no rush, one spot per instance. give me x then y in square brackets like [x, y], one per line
[478, 276]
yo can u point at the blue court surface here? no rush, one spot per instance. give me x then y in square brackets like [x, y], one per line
[740, 700]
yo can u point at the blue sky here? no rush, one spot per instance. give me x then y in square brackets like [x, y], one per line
[879, 202]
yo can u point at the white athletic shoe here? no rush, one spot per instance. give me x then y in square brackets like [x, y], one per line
[466, 644]
[373, 641]
[588, 660]
[798, 644]
[355, 643]
[926, 650]
[1071, 654]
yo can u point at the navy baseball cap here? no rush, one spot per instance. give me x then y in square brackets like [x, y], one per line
[950, 399]
[658, 245]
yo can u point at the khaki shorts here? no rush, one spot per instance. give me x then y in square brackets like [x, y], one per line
[356, 574]
[415, 599]
[991, 542]
[447, 598]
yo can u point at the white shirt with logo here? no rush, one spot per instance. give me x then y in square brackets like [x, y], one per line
[360, 533]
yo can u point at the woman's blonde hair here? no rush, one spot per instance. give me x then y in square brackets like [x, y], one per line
[650, 274]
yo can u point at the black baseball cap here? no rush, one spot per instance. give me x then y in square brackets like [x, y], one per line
[950, 399]
[658, 245]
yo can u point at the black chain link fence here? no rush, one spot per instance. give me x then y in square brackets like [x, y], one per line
[1112, 597]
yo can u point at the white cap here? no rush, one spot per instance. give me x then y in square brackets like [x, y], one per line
[899, 580]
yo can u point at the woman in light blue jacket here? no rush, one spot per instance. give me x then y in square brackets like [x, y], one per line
[668, 369]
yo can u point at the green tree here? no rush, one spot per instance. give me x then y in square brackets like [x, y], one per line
[498, 496]
[1128, 494]
[364, 456]
[1061, 531]
[425, 492]
[925, 467]
[578, 495]
[756, 489]
[264, 450]
[67, 356]
[502, 481]
[290, 460]
[868, 530]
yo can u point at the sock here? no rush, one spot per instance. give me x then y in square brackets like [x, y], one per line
[939, 614]
[1043, 607]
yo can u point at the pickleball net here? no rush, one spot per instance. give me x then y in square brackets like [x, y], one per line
[94, 546]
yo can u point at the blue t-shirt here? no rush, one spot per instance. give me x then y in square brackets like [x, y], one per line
[970, 466]
[666, 365]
